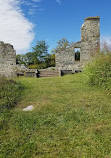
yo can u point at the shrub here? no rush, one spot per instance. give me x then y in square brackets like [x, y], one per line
[98, 71]
[38, 66]
[9, 93]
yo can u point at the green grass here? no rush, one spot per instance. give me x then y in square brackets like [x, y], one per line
[9, 93]
[71, 119]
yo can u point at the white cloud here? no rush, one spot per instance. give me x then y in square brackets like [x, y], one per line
[59, 1]
[14, 27]
[33, 6]
[36, 0]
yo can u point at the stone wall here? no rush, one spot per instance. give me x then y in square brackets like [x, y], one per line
[89, 46]
[65, 59]
[90, 39]
[7, 60]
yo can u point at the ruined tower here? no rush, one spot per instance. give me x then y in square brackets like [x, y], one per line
[7, 60]
[90, 38]
[89, 46]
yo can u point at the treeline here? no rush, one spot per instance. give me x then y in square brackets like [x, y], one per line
[38, 58]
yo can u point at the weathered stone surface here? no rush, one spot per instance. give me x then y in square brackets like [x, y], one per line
[65, 59]
[89, 46]
[7, 60]
[90, 39]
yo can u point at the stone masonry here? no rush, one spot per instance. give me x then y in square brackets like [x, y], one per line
[65, 59]
[7, 60]
[89, 46]
[90, 39]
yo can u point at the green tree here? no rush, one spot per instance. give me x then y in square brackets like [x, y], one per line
[40, 52]
[21, 59]
[62, 44]
[77, 55]
[29, 57]
[50, 60]
[18, 60]
[36, 58]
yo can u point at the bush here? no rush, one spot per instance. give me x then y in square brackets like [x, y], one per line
[9, 93]
[38, 66]
[98, 71]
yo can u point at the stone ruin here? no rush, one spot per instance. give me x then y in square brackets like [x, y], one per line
[89, 46]
[65, 58]
[7, 60]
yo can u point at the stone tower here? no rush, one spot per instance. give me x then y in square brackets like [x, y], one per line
[7, 60]
[90, 38]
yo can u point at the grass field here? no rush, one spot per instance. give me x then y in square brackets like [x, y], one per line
[70, 120]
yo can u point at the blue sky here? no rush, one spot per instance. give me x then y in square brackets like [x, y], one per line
[50, 20]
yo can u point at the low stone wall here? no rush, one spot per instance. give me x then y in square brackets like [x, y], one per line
[7, 60]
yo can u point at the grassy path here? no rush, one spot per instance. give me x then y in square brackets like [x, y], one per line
[70, 120]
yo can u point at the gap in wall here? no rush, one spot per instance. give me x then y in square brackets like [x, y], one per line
[77, 54]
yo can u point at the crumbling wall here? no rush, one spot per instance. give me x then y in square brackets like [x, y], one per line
[65, 59]
[90, 39]
[7, 60]
[89, 46]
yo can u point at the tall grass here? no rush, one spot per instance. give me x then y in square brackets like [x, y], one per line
[98, 72]
[9, 93]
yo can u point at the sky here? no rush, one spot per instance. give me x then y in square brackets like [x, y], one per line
[24, 22]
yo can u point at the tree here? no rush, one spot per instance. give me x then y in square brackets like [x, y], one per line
[29, 57]
[38, 58]
[62, 44]
[106, 48]
[18, 60]
[21, 59]
[77, 55]
[40, 52]
[50, 60]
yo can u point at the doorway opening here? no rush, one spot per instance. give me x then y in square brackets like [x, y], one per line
[77, 54]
